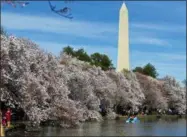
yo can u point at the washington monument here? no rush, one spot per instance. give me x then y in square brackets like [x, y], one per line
[123, 40]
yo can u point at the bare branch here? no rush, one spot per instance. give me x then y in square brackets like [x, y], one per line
[65, 12]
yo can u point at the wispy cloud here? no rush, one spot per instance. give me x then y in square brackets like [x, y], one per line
[55, 25]
[149, 41]
[158, 27]
[56, 47]
[98, 30]
[161, 56]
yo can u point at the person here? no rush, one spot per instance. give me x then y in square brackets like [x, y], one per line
[4, 121]
[8, 117]
[131, 118]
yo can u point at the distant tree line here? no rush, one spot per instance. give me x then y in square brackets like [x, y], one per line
[97, 59]
[105, 62]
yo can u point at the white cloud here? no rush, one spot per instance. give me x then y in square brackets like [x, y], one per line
[88, 29]
[149, 41]
[172, 57]
[98, 30]
[166, 27]
[161, 56]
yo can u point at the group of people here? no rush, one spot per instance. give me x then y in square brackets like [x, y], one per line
[6, 118]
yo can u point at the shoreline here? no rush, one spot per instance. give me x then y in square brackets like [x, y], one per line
[20, 127]
[22, 124]
[92, 124]
[154, 116]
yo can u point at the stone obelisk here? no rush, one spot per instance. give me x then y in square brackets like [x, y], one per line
[123, 40]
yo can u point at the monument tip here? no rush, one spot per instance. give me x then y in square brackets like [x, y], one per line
[123, 5]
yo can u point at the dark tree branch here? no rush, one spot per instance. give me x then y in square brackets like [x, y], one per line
[62, 12]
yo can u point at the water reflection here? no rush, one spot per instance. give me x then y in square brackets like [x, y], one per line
[146, 127]
[120, 128]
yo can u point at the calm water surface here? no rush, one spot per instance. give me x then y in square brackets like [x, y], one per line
[159, 127]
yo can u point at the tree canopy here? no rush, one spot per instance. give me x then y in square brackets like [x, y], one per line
[82, 55]
[101, 60]
[97, 59]
[138, 69]
[69, 51]
[148, 70]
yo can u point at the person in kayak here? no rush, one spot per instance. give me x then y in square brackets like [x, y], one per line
[131, 118]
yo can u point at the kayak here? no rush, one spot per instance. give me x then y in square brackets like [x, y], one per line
[132, 121]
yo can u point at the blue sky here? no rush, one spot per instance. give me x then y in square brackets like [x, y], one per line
[157, 30]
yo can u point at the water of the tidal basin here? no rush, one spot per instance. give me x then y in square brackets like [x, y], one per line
[158, 127]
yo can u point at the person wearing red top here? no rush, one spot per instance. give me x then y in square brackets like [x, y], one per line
[8, 116]
[4, 121]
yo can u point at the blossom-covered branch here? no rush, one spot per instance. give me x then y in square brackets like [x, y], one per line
[14, 3]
